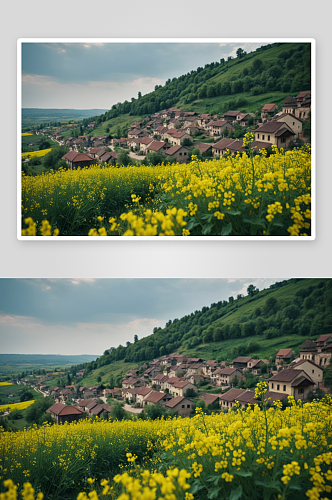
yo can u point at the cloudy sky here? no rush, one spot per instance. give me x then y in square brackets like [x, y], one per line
[87, 316]
[98, 75]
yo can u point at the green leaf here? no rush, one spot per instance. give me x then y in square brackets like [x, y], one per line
[213, 493]
[191, 224]
[207, 217]
[226, 230]
[214, 479]
[197, 486]
[279, 224]
[243, 473]
[236, 494]
[275, 484]
[233, 212]
[259, 222]
[207, 229]
[295, 487]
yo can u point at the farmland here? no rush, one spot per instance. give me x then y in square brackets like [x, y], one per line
[260, 452]
[246, 195]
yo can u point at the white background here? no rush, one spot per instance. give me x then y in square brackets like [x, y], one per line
[156, 18]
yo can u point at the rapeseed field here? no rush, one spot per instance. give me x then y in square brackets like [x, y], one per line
[260, 452]
[245, 195]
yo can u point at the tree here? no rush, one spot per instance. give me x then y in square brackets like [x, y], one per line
[139, 95]
[239, 53]
[124, 159]
[136, 338]
[252, 290]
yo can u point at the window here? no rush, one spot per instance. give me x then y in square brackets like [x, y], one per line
[263, 137]
[183, 406]
[301, 390]
[313, 371]
[272, 385]
[284, 388]
[283, 140]
[257, 136]
[268, 137]
[278, 387]
[188, 406]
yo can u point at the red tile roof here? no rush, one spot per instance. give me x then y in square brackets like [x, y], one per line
[156, 146]
[268, 107]
[284, 352]
[143, 391]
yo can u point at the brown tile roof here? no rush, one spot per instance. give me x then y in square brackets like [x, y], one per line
[211, 361]
[260, 145]
[194, 360]
[156, 396]
[106, 156]
[272, 127]
[324, 337]
[284, 352]
[129, 381]
[268, 107]
[134, 131]
[62, 409]
[106, 407]
[173, 380]
[237, 145]
[182, 384]
[175, 149]
[242, 359]
[246, 397]
[290, 101]
[223, 143]
[226, 371]
[303, 94]
[160, 377]
[156, 146]
[175, 401]
[275, 396]
[232, 113]
[217, 123]
[143, 391]
[283, 132]
[178, 135]
[209, 398]
[96, 410]
[285, 375]
[303, 380]
[91, 404]
[232, 394]
[146, 140]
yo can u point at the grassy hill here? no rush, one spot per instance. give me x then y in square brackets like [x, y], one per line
[259, 324]
[269, 74]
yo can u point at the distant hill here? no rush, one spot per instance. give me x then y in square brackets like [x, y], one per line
[246, 83]
[35, 116]
[12, 363]
[258, 325]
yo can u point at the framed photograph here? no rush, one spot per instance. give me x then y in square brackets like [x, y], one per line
[209, 139]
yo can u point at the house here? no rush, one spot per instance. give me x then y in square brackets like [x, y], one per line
[159, 379]
[65, 413]
[180, 404]
[227, 400]
[109, 157]
[131, 383]
[130, 394]
[144, 143]
[142, 393]
[204, 148]
[308, 350]
[91, 404]
[211, 400]
[135, 133]
[255, 365]
[76, 160]
[302, 97]
[293, 382]
[227, 376]
[267, 112]
[246, 398]
[284, 356]
[241, 362]
[195, 378]
[99, 410]
[178, 138]
[180, 388]
[156, 397]
[219, 148]
[236, 147]
[115, 393]
[243, 118]
[231, 116]
[294, 123]
[289, 105]
[180, 153]
[260, 145]
[191, 130]
[314, 371]
[278, 133]
[157, 146]
[218, 127]
[321, 341]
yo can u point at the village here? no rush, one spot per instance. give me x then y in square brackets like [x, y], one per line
[179, 383]
[173, 131]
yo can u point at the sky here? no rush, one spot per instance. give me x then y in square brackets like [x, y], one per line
[98, 75]
[88, 316]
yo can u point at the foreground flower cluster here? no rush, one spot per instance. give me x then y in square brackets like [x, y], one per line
[258, 452]
[248, 195]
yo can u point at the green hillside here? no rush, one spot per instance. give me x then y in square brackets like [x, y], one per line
[259, 324]
[247, 82]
